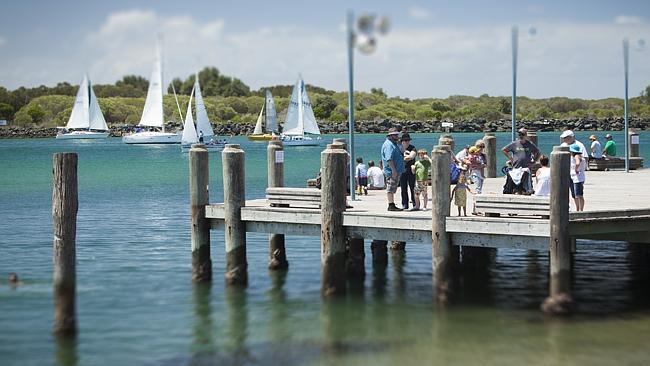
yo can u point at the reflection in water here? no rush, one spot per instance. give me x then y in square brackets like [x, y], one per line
[476, 275]
[398, 260]
[379, 250]
[279, 321]
[202, 331]
[237, 334]
[638, 257]
[66, 351]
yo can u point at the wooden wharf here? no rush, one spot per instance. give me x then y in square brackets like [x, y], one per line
[617, 208]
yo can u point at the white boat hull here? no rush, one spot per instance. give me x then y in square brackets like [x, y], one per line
[210, 146]
[300, 141]
[72, 135]
[152, 137]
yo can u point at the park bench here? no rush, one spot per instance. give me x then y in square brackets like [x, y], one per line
[614, 163]
[293, 197]
[494, 205]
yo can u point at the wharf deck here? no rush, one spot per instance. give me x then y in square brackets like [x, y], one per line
[617, 208]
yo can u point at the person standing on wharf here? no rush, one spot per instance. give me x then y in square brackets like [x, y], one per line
[393, 160]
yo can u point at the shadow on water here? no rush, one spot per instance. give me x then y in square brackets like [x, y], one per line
[66, 351]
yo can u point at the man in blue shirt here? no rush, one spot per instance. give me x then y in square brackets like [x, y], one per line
[393, 160]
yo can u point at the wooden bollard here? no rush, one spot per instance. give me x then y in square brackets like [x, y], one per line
[332, 232]
[199, 198]
[275, 166]
[559, 300]
[442, 250]
[634, 144]
[234, 196]
[64, 219]
[491, 155]
[447, 139]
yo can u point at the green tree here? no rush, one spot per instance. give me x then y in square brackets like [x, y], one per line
[36, 113]
[645, 95]
[323, 106]
[6, 111]
[135, 81]
[505, 105]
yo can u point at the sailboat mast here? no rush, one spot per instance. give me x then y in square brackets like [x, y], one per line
[89, 102]
[301, 121]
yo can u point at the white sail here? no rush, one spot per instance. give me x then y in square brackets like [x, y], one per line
[189, 132]
[300, 116]
[258, 125]
[202, 121]
[271, 115]
[96, 117]
[152, 114]
[80, 110]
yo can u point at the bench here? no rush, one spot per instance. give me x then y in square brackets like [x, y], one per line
[293, 197]
[494, 205]
[614, 163]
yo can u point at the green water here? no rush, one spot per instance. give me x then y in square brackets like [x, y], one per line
[137, 305]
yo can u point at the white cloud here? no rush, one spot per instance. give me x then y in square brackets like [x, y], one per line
[418, 13]
[628, 19]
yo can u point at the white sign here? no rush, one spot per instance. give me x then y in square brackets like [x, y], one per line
[634, 139]
[279, 156]
[447, 124]
[3, 122]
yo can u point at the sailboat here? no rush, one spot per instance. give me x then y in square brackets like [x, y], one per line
[203, 132]
[266, 122]
[86, 120]
[300, 121]
[151, 129]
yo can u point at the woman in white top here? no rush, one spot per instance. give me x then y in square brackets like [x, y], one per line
[543, 178]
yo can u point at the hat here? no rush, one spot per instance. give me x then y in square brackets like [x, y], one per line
[592, 137]
[608, 136]
[473, 150]
[405, 137]
[522, 131]
[393, 131]
[567, 133]
[575, 148]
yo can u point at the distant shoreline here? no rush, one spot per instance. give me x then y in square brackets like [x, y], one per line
[243, 129]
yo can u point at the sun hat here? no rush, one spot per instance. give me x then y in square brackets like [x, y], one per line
[592, 137]
[608, 136]
[473, 150]
[575, 148]
[393, 131]
[567, 133]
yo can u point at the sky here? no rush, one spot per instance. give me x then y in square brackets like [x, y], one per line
[433, 48]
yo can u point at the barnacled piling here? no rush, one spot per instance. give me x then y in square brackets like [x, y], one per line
[443, 255]
[235, 229]
[275, 166]
[199, 198]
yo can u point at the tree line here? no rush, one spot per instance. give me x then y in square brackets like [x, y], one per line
[228, 99]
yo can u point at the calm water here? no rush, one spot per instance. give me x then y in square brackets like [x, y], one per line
[137, 305]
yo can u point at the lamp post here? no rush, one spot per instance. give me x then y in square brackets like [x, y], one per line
[513, 109]
[363, 37]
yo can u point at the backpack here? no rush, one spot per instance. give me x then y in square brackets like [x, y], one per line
[455, 173]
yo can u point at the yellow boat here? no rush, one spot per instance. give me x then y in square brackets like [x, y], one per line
[267, 122]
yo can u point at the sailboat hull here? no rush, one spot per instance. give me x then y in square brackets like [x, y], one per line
[152, 137]
[78, 135]
[300, 141]
[264, 137]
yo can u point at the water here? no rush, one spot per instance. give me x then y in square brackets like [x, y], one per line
[137, 305]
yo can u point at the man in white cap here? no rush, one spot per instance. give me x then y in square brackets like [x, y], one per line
[569, 138]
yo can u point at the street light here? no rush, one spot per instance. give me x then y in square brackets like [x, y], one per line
[532, 32]
[626, 61]
[364, 38]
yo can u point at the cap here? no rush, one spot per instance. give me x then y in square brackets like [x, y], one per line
[592, 137]
[608, 136]
[393, 131]
[406, 137]
[575, 148]
[473, 150]
[567, 133]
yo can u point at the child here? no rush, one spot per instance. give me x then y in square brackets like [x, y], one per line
[421, 171]
[460, 190]
[476, 164]
[361, 175]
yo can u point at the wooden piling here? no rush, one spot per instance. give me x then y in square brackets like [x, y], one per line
[447, 139]
[491, 155]
[356, 258]
[235, 229]
[441, 242]
[559, 300]
[199, 198]
[634, 144]
[275, 166]
[64, 219]
[333, 256]
[379, 249]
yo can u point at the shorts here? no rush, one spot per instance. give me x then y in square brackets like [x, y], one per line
[363, 181]
[421, 186]
[391, 183]
[577, 189]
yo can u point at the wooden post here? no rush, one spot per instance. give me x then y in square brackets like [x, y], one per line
[332, 231]
[64, 219]
[559, 300]
[491, 155]
[634, 144]
[442, 250]
[379, 249]
[356, 258]
[275, 166]
[199, 198]
[447, 139]
[234, 199]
